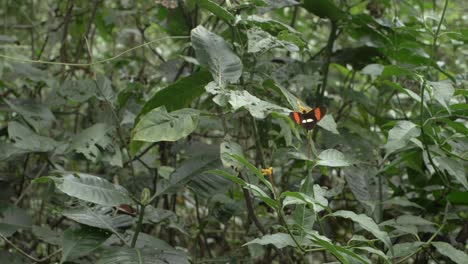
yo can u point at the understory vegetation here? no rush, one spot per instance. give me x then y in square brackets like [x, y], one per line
[233, 131]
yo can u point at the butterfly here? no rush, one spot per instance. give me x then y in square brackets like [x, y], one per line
[308, 119]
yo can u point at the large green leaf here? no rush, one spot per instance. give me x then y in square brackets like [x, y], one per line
[146, 255]
[256, 107]
[91, 189]
[159, 125]
[401, 135]
[452, 253]
[36, 114]
[216, 9]
[100, 217]
[213, 52]
[362, 182]
[12, 218]
[92, 141]
[366, 223]
[81, 242]
[179, 94]
[28, 141]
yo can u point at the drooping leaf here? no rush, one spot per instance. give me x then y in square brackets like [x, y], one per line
[179, 94]
[366, 223]
[400, 135]
[28, 141]
[159, 125]
[452, 253]
[91, 189]
[213, 52]
[279, 240]
[81, 242]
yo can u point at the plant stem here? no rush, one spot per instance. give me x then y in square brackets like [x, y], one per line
[139, 225]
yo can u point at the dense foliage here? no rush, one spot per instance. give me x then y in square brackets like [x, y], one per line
[158, 131]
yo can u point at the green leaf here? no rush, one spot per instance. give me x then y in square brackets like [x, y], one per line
[93, 140]
[279, 240]
[227, 148]
[81, 242]
[216, 9]
[12, 218]
[104, 89]
[77, 90]
[334, 158]
[324, 9]
[328, 123]
[362, 182]
[212, 51]
[366, 223]
[204, 158]
[301, 198]
[25, 139]
[443, 92]
[452, 253]
[400, 136]
[262, 41]
[453, 167]
[373, 69]
[10, 151]
[159, 125]
[36, 114]
[179, 94]
[405, 249]
[92, 189]
[376, 252]
[100, 217]
[330, 248]
[146, 255]
[256, 107]
[254, 170]
[47, 235]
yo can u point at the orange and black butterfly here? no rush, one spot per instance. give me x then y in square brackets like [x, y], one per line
[308, 119]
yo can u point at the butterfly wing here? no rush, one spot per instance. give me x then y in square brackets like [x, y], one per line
[311, 118]
[296, 117]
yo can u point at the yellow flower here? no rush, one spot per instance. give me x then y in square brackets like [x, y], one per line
[267, 171]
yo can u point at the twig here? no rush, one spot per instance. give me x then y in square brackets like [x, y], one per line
[26, 254]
